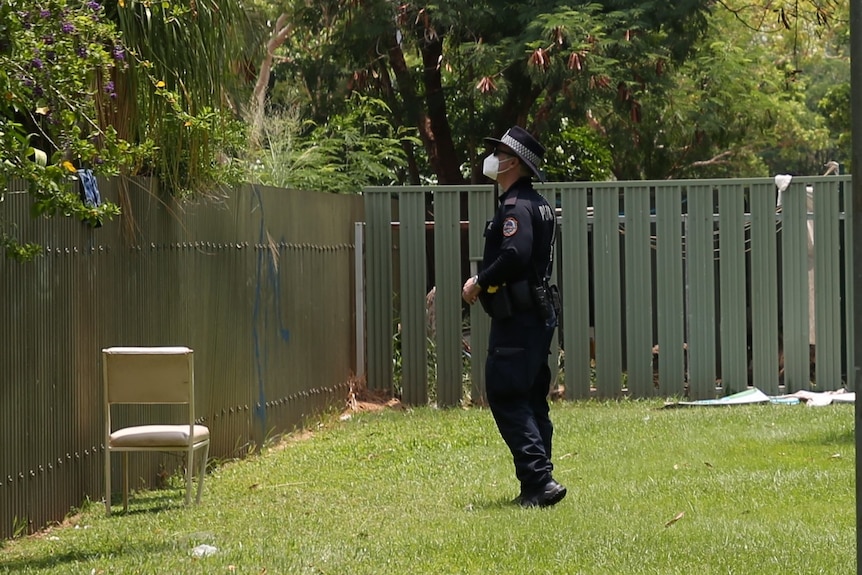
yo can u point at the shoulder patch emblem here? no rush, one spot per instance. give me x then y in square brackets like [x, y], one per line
[510, 227]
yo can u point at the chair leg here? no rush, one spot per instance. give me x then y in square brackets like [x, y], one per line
[125, 481]
[202, 472]
[107, 481]
[190, 468]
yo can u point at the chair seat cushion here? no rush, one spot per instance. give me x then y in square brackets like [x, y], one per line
[157, 436]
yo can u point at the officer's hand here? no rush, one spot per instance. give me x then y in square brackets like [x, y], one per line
[470, 291]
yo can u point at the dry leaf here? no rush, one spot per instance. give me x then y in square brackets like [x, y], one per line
[678, 516]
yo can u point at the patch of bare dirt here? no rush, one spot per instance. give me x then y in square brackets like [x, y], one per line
[361, 399]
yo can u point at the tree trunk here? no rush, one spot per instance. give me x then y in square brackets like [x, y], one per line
[396, 59]
[257, 106]
[441, 153]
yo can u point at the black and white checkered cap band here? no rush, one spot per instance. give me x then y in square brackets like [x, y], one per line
[522, 150]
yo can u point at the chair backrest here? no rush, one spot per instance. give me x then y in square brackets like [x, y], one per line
[148, 375]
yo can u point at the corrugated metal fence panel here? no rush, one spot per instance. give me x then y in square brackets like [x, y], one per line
[764, 288]
[607, 270]
[827, 268]
[639, 292]
[794, 281]
[414, 348]
[670, 285]
[481, 204]
[721, 279]
[448, 281]
[263, 297]
[700, 267]
[732, 282]
[303, 303]
[379, 287]
[573, 264]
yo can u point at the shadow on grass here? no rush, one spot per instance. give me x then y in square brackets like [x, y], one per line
[142, 503]
[500, 504]
[57, 560]
[145, 502]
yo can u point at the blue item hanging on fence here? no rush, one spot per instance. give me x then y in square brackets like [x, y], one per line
[89, 188]
[90, 195]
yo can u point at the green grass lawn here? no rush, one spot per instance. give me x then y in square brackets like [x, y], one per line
[722, 490]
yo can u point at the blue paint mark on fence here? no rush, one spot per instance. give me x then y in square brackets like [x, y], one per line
[266, 276]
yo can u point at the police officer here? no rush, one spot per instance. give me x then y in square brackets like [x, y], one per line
[512, 287]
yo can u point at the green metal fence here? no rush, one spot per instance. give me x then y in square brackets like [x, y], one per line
[670, 288]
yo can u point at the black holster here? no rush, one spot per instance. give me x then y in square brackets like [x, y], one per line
[497, 305]
[547, 300]
[514, 297]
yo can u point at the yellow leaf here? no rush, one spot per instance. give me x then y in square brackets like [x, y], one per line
[43, 110]
[160, 84]
[188, 124]
[122, 3]
[70, 166]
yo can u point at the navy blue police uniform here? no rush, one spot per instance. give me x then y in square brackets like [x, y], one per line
[518, 252]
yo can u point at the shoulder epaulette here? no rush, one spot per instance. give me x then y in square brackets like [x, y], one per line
[512, 199]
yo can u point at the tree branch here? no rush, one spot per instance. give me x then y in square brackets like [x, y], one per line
[258, 98]
[721, 158]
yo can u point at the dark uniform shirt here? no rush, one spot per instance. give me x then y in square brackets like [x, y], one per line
[520, 235]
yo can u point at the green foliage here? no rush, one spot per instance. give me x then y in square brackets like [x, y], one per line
[688, 90]
[15, 250]
[190, 60]
[835, 107]
[576, 153]
[351, 150]
[53, 56]
[734, 108]
[455, 72]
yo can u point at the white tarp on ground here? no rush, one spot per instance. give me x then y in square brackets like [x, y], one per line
[817, 399]
[754, 395]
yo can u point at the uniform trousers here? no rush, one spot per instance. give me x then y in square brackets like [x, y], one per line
[518, 381]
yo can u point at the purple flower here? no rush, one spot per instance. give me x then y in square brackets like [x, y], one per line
[36, 63]
[110, 89]
[92, 5]
[82, 52]
[67, 28]
[49, 39]
[119, 53]
[44, 14]
[37, 91]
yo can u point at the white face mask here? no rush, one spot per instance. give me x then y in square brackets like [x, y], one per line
[491, 167]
